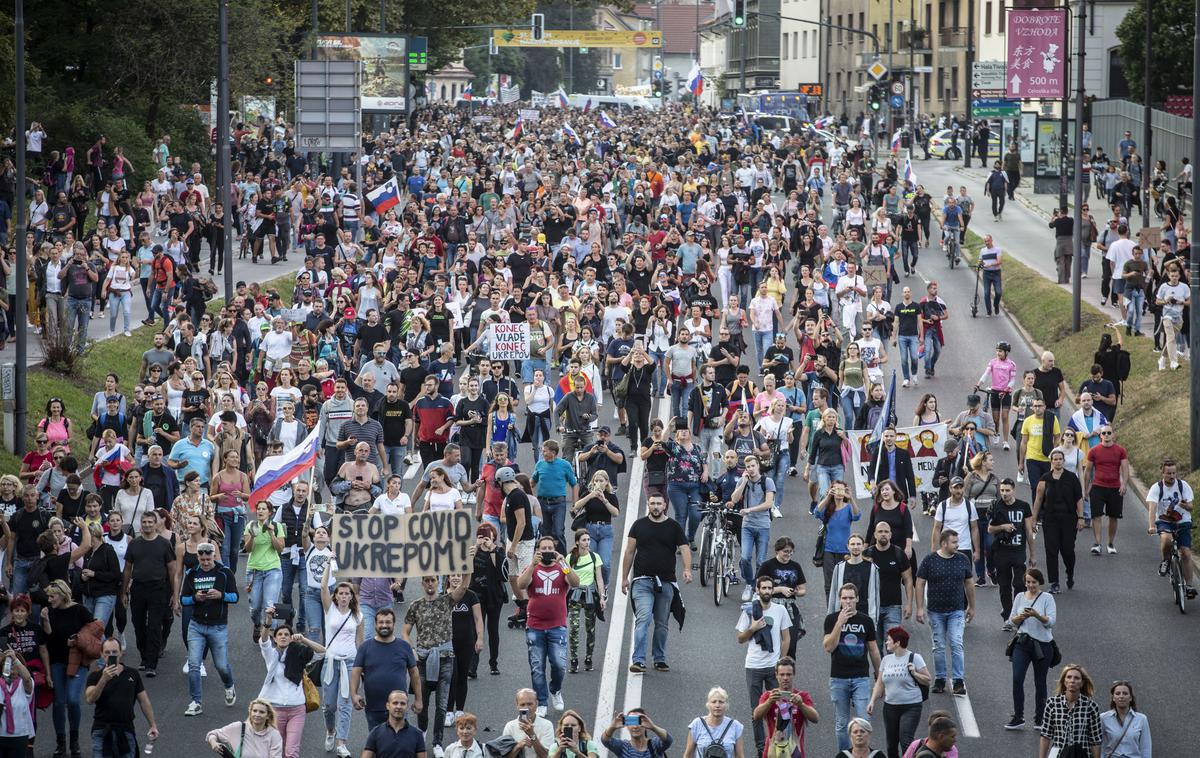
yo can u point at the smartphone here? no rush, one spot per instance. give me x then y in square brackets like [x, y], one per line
[112, 660]
[569, 732]
[633, 719]
[523, 714]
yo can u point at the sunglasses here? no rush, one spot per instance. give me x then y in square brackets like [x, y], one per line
[1106, 434]
[205, 552]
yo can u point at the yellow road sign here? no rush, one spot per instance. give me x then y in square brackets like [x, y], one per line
[523, 37]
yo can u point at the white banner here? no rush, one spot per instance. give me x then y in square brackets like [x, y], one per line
[530, 114]
[510, 94]
[509, 342]
[924, 443]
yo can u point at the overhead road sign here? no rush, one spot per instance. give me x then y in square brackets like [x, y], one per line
[576, 38]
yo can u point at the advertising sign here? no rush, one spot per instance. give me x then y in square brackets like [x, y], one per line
[1028, 136]
[523, 37]
[384, 83]
[510, 342]
[1037, 54]
[924, 444]
[1049, 148]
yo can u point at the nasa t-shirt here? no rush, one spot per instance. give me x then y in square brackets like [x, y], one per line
[849, 659]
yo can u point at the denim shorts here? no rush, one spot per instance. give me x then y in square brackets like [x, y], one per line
[1181, 529]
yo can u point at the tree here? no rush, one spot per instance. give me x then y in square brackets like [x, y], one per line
[1171, 29]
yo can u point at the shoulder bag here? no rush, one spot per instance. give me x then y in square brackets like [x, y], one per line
[818, 558]
[924, 688]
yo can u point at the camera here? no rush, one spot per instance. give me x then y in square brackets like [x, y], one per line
[548, 557]
[284, 613]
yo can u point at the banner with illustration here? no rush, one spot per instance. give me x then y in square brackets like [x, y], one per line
[924, 443]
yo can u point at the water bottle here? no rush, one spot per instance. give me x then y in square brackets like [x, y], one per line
[8, 666]
[149, 749]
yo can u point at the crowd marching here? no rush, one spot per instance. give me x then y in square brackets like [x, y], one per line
[714, 317]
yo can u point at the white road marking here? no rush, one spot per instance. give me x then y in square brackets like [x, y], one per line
[412, 471]
[614, 661]
[966, 716]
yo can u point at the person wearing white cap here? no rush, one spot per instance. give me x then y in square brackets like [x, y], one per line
[209, 588]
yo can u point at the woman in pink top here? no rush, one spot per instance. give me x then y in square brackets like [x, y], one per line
[56, 425]
[1002, 373]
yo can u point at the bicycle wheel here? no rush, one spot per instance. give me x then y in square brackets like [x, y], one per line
[1177, 583]
[705, 549]
[720, 574]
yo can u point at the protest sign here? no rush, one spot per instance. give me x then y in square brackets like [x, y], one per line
[372, 545]
[924, 444]
[510, 342]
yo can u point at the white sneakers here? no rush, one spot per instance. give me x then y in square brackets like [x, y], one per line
[329, 742]
[541, 711]
[556, 699]
[451, 717]
[344, 752]
[203, 671]
[193, 709]
[438, 751]
[230, 696]
[747, 593]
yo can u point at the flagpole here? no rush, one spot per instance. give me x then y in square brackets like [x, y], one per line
[882, 424]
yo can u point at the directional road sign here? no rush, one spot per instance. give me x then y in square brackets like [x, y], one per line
[988, 74]
[995, 108]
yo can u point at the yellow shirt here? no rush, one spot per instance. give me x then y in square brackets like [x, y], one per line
[1032, 428]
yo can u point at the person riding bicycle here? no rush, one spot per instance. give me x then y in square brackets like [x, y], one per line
[952, 221]
[1169, 506]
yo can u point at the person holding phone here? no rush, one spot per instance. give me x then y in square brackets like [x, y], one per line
[645, 737]
[114, 689]
[529, 729]
[17, 731]
[547, 620]
[573, 739]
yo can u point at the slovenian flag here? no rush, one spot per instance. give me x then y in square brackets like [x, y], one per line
[570, 134]
[516, 130]
[468, 90]
[696, 80]
[607, 121]
[110, 463]
[562, 99]
[587, 106]
[385, 197]
[277, 470]
[825, 122]
[910, 176]
[896, 141]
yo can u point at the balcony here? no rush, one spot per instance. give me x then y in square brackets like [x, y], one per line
[953, 37]
[917, 38]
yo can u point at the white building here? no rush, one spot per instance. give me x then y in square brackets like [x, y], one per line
[800, 44]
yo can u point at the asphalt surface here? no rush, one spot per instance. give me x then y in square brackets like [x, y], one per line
[1118, 621]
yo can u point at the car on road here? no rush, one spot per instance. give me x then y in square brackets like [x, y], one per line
[943, 145]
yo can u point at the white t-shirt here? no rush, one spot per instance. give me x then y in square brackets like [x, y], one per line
[756, 657]
[1173, 311]
[871, 351]
[1119, 252]
[390, 506]
[444, 501]
[959, 518]
[1180, 492]
[771, 429]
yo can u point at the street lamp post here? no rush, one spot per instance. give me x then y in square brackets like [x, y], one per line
[1077, 233]
[224, 178]
[20, 396]
[1194, 260]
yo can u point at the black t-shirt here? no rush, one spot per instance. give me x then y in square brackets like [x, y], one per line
[656, 545]
[790, 574]
[516, 502]
[65, 623]
[27, 526]
[850, 658]
[472, 435]
[114, 708]
[462, 618]
[369, 335]
[164, 424]
[891, 564]
[657, 462]
[196, 398]
[597, 513]
[859, 574]
[150, 559]
[1049, 382]
[412, 378]
[784, 356]
[392, 417]
[24, 639]
[908, 314]
[1015, 514]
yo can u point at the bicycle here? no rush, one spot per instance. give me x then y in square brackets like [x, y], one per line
[718, 551]
[1175, 571]
[952, 246]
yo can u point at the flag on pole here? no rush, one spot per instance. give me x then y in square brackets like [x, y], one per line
[570, 134]
[882, 422]
[515, 132]
[563, 102]
[607, 121]
[825, 122]
[910, 176]
[696, 80]
[896, 141]
[467, 91]
[277, 470]
[385, 197]
[587, 106]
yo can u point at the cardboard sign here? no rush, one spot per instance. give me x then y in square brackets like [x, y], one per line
[510, 342]
[530, 114]
[372, 545]
[924, 444]
[294, 315]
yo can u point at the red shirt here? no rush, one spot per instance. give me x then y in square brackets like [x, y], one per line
[798, 721]
[1106, 462]
[34, 460]
[547, 597]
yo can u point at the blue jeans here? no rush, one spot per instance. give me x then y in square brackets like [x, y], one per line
[122, 300]
[948, 626]
[101, 607]
[291, 572]
[160, 300]
[852, 400]
[908, 355]
[933, 349]
[338, 710]
[762, 343]
[602, 541]
[20, 577]
[314, 613]
[264, 591]
[647, 605]
[992, 290]
[395, 458]
[756, 541]
[659, 383]
[783, 462]
[543, 645]
[98, 745]
[67, 693]
[554, 514]
[985, 564]
[825, 477]
[79, 315]
[529, 365]
[850, 698]
[889, 616]
[680, 392]
[234, 525]
[1133, 310]
[207, 638]
[685, 502]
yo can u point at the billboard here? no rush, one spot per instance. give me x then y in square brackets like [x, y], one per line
[384, 84]
[523, 37]
[1037, 54]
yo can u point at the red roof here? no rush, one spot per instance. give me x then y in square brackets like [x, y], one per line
[679, 24]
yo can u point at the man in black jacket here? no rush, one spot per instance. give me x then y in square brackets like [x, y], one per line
[706, 411]
[893, 462]
[209, 589]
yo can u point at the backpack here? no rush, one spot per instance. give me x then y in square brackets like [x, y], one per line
[1124, 365]
[715, 749]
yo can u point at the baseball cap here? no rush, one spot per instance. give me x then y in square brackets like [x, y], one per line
[956, 481]
[506, 474]
[604, 430]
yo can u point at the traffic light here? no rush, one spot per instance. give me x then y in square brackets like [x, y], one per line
[739, 12]
[876, 97]
[666, 87]
[656, 88]
[537, 26]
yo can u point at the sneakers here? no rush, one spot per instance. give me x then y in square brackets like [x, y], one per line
[329, 743]
[661, 666]
[187, 668]
[1054, 588]
[1016, 722]
[1096, 549]
[747, 593]
[939, 686]
[904, 383]
[193, 709]
[151, 673]
[438, 751]
[344, 752]
[556, 701]
[637, 668]
[1007, 446]
[541, 711]
[449, 720]
[1111, 549]
[1162, 568]
[995, 439]
[793, 472]
[960, 687]
[231, 697]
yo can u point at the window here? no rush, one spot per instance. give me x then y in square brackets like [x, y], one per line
[616, 61]
[954, 82]
[925, 85]
[987, 18]
[783, 52]
[803, 43]
[929, 18]
[839, 31]
[1000, 27]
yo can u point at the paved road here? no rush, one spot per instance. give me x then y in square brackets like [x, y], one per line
[1118, 621]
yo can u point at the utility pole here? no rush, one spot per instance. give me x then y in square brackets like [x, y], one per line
[1147, 132]
[1194, 259]
[1077, 234]
[224, 180]
[316, 24]
[383, 21]
[967, 86]
[571, 50]
[20, 370]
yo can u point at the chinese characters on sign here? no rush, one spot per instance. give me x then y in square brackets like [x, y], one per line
[1036, 54]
